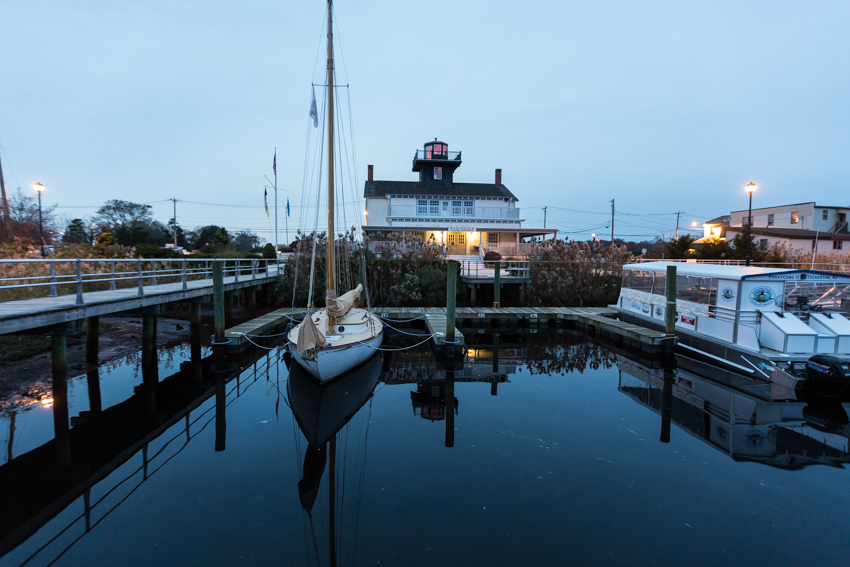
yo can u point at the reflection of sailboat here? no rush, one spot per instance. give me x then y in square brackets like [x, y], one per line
[321, 411]
[341, 336]
[734, 415]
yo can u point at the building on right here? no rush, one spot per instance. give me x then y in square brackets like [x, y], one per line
[801, 226]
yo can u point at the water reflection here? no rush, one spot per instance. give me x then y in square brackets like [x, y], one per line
[739, 416]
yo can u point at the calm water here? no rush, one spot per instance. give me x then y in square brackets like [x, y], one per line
[554, 458]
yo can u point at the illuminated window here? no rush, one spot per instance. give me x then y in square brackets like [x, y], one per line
[461, 239]
[422, 207]
[795, 217]
[438, 173]
[451, 239]
[825, 214]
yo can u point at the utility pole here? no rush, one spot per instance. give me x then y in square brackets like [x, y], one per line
[544, 216]
[175, 220]
[612, 222]
[7, 218]
[677, 224]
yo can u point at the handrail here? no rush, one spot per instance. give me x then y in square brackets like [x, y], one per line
[88, 274]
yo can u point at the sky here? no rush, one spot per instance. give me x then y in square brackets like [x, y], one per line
[663, 106]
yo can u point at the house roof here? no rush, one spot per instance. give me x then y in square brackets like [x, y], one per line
[719, 220]
[790, 233]
[413, 188]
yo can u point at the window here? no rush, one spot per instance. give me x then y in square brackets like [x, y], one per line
[421, 207]
[836, 244]
[469, 208]
[493, 237]
[770, 220]
[745, 221]
[434, 208]
[825, 214]
[438, 173]
[451, 239]
[795, 217]
[461, 238]
[763, 243]
[456, 208]
[445, 206]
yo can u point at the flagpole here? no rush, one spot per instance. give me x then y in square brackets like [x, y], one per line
[276, 244]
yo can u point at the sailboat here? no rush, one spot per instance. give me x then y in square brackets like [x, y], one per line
[341, 336]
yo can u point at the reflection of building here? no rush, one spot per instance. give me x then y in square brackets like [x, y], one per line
[468, 218]
[737, 416]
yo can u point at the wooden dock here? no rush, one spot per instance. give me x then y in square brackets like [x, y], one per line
[595, 321]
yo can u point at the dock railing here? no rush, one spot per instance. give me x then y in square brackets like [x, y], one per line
[486, 270]
[824, 267]
[28, 279]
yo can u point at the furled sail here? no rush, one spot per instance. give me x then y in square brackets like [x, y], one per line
[310, 336]
[339, 306]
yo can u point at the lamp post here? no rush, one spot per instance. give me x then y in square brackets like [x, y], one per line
[750, 187]
[39, 188]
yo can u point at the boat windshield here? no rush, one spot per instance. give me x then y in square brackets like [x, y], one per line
[817, 296]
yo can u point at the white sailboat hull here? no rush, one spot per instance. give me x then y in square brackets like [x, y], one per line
[329, 362]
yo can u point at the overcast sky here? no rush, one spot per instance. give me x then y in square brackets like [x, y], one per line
[663, 106]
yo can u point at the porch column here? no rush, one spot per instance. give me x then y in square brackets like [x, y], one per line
[403, 241]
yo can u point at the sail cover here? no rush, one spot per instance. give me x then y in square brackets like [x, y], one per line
[339, 306]
[309, 336]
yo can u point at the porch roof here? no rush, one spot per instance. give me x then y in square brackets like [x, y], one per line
[522, 231]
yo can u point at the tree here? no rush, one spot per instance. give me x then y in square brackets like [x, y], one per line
[244, 241]
[25, 218]
[204, 235]
[117, 214]
[221, 238]
[268, 251]
[182, 241]
[77, 232]
[714, 249]
[739, 248]
[105, 239]
[680, 248]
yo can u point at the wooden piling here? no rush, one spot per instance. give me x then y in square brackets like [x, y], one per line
[450, 403]
[92, 336]
[228, 309]
[218, 300]
[666, 406]
[472, 293]
[220, 407]
[497, 285]
[670, 314]
[451, 297]
[495, 354]
[93, 384]
[252, 302]
[148, 331]
[61, 423]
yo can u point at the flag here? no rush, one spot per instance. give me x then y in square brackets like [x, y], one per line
[314, 114]
[266, 200]
[287, 206]
[274, 163]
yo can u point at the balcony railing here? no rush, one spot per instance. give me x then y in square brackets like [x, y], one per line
[430, 156]
[436, 211]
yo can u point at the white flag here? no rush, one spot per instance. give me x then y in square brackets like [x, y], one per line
[314, 114]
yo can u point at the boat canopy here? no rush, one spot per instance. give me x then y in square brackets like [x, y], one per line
[701, 270]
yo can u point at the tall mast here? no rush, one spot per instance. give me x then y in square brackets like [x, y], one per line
[330, 277]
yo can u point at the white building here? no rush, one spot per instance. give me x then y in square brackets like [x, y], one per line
[802, 216]
[469, 218]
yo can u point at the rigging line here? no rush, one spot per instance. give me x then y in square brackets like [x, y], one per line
[316, 221]
[9, 165]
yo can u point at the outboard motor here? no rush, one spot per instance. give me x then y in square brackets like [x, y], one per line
[827, 375]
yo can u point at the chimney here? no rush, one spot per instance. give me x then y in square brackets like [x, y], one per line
[498, 177]
[371, 170]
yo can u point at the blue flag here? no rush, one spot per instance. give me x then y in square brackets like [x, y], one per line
[287, 206]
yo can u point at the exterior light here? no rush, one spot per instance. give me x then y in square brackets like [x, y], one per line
[750, 187]
[694, 223]
[38, 187]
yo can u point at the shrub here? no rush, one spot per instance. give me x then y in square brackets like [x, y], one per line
[492, 256]
[268, 251]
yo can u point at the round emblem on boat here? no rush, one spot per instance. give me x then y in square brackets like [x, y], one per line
[727, 293]
[658, 311]
[340, 329]
[762, 296]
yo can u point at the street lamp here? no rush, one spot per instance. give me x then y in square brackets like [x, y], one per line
[39, 188]
[750, 187]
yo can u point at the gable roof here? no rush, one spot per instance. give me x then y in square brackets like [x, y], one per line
[792, 233]
[413, 188]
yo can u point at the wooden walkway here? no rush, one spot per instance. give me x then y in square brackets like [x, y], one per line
[590, 318]
[26, 314]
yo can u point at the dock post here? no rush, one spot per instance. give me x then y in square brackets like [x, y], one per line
[497, 286]
[149, 329]
[220, 408]
[472, 294]
[61, 423]
[670, 315]
[93, 384]
[92, 336]
[150, 378]
[495, 353]
[252, 302]
[451, 297]
[228, 309]
[522, 294]
[218, 300]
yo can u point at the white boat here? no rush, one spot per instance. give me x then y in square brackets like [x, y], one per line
[779, 325]
[341, 336]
